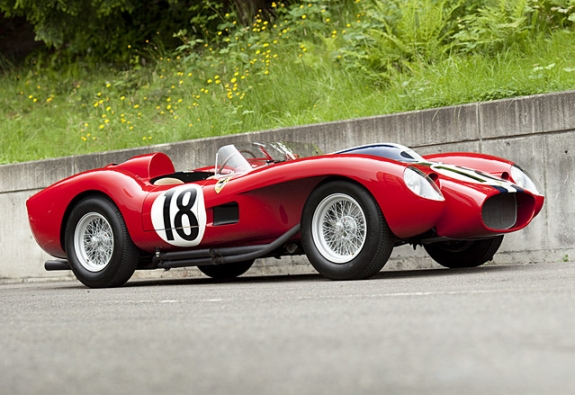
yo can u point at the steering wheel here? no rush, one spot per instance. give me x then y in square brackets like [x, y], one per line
[224, 163]
[245, 151]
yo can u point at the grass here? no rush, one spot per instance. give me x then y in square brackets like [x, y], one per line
[257, 78]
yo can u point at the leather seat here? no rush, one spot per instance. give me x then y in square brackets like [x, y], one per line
[168, 181]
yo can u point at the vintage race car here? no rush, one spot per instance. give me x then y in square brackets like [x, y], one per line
[345, 211]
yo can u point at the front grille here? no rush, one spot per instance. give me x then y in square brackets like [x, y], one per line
[500, 211]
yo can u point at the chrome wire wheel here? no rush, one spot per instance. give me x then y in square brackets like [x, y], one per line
[339, 228]
[98, 245]
[94, 242]
[343, 231]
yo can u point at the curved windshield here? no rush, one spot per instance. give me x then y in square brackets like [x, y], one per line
[229, 160]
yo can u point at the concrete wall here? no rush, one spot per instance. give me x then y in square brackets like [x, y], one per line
[536, 131]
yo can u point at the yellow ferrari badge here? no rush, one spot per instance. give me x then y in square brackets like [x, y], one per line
[221, 184]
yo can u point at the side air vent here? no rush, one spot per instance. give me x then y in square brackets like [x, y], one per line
[500, 211]
[226, 214]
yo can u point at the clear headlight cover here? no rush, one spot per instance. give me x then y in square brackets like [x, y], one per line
[421, 185]
[524, 180]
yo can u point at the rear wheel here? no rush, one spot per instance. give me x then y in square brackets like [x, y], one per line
[226, 271]
[344, 233]
[462, 253]
[99, 248]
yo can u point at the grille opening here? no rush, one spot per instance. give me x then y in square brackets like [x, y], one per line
[500, 211]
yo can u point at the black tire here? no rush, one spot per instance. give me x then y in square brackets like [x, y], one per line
[353, 246]
[460, 253]
[226, 271]
[99, 248]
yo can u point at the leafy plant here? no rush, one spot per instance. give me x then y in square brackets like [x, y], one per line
[109, 30]
[296, 63]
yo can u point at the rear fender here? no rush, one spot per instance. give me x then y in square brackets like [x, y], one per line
[49, 209]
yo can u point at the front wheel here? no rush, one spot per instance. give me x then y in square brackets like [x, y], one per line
[99, 248]
[344, 233]
[226, 271]
[461, 253]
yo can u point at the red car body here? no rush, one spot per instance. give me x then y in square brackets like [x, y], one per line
[208, 216]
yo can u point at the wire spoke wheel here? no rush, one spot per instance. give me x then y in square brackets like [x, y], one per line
[344, 233]
[99, 248]
[94, 242]
[339, 228]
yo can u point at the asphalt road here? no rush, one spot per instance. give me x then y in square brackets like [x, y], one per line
[494, 329]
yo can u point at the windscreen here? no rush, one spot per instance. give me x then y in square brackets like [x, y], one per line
[229, 160]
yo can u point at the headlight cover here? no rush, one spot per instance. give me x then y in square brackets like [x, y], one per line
[524, 180]
[421, 185]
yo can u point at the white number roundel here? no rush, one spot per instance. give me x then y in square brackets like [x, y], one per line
[179, 215]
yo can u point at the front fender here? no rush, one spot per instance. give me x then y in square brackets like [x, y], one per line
[406, 213]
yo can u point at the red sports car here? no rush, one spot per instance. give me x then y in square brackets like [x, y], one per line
[345, 211]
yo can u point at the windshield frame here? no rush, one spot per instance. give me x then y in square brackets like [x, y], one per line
[241, 158]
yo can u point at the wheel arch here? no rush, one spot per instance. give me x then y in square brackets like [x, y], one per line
[332, 178]
[383, 208]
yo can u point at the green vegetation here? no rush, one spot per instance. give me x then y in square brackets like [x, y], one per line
[101, 29]
[308, 62]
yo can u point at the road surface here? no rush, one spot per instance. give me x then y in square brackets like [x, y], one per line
[493, 329]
